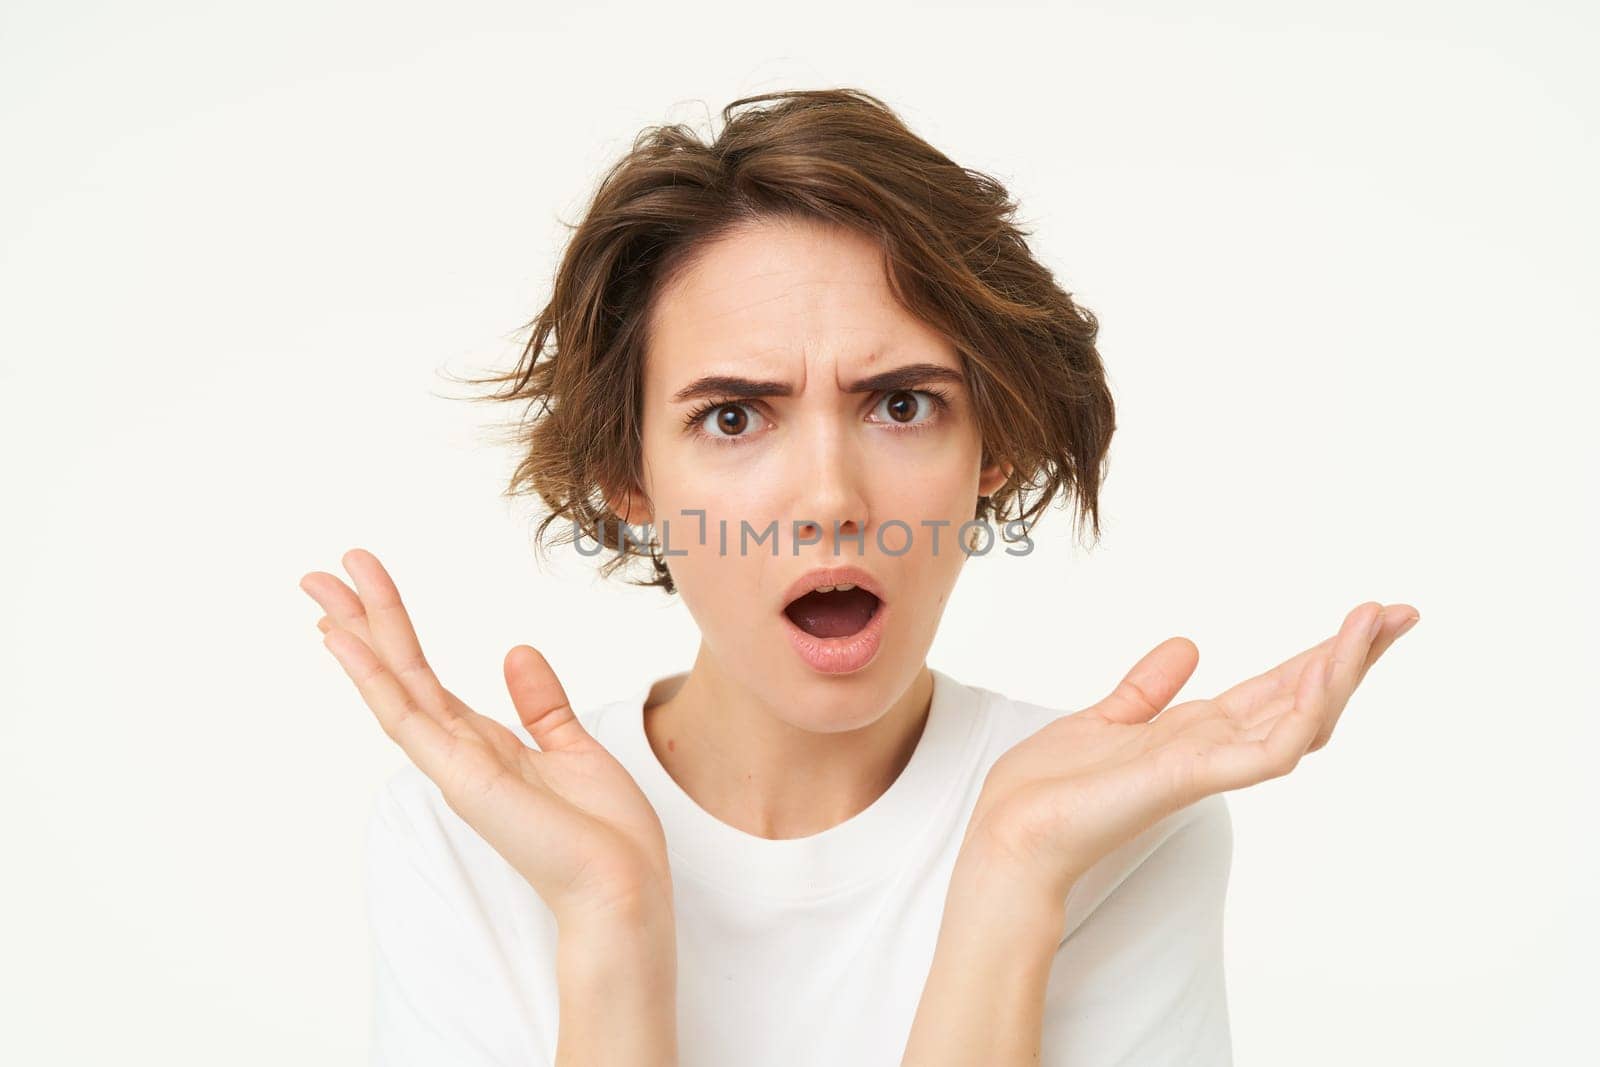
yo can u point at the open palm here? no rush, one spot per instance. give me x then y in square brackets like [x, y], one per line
[1084, 783]
[566, 815]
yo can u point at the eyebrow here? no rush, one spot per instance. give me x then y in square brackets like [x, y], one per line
[912, 374]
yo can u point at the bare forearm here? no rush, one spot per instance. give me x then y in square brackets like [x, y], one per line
[984, 999]
[618, 989]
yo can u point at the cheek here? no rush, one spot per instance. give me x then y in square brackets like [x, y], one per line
[699, 513]
[942, 485]
[699, 498]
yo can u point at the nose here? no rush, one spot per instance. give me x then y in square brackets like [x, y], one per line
[830, 507]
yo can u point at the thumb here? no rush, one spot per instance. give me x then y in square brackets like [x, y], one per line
[1152, 683]
[541, 702]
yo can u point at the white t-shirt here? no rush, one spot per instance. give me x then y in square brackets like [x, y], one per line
[807, 951]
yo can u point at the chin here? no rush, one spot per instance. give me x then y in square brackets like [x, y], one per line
[839, 703]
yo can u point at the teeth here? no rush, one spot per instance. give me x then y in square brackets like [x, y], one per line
[831, 588]
[847, 586]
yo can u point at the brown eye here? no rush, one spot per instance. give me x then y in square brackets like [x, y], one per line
[730, 419]
[908, 407]
[727, 420]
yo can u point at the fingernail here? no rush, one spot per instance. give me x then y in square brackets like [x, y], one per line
[1408, 624]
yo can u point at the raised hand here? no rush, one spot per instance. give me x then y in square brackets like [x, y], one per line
[1083, 784]
[566, 815]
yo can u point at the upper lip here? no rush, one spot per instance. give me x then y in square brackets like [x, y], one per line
[821, 576]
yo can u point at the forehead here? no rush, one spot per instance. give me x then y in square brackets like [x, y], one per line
[776, 293]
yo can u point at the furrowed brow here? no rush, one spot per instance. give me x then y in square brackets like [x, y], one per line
[737, 388]
[907, 377]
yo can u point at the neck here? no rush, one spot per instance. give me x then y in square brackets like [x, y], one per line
[749, 763]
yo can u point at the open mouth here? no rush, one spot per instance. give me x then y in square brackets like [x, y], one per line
[835, 612]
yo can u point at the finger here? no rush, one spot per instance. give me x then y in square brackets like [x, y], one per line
[541, 701]
[1292, 734]
[468, 774]
[1328, 649]
[329, 589]
[423, 738]
[341, 603]
[393, 637]
[1398, 619]
[1348, 664]
[1286, 739]
[1266, 696]
[507, 745]
[1152, 682]
[1352, 645]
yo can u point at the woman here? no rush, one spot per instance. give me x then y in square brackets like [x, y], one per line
[814, 359]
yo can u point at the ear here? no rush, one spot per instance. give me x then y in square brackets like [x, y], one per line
[630, 506]
[992, 477]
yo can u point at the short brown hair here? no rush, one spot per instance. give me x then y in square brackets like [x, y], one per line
[953, 254]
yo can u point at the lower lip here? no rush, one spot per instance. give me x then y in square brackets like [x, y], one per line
[839, 655]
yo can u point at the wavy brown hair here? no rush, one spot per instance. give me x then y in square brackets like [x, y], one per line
[953, 254]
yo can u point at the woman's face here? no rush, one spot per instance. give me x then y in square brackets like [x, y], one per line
[802, 313]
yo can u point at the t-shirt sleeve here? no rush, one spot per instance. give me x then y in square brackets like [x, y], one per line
[1140, 979]
[441, 992]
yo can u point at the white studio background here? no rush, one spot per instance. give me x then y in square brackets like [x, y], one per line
[1343, 256]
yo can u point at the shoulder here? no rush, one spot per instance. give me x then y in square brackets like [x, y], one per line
[1179, 868]
[438, 895]
[1010, 720]
[1140, 973]
[461, 949]
[414, 836]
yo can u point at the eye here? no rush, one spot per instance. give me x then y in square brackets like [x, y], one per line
[910, 407]
[726, 420]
